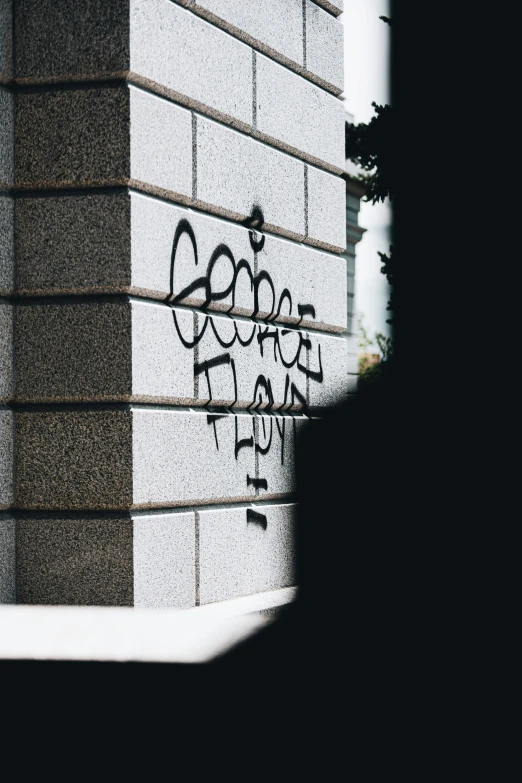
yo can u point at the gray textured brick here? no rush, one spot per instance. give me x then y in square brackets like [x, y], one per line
[57, 41]
[6, 457]
[244, 551]
[74, 561]
[299, 116]
[6, 41]
[164, 560]
[274, 26]
[74, 459]
[324, 48]
[6, 351]
[73, 244]
[6, 244]
[103, 136]
[7, 559]
[326, 210]
[236, 173]
[6, 137]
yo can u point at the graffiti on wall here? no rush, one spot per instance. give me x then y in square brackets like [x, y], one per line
[291, 348]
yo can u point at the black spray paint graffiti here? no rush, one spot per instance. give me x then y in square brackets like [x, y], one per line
[290, 355]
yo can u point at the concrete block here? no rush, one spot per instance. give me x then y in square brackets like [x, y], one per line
[326, 210]
[141, 457]
[86, 560]
[74, 459]
[6, 40]
[324, 48]
[111, 560]
[244, 551]
[276, 438]
[162, 354]
[6, 457]
[164, 561]
[183, 57]
[126, 244]
[236, 174]
[109, 351]
[249, 365]
[153, 43]
[6, 351]
[6, 244]
[6, 137]
[7, 559]
[160, 146]
[71, 40]
[299, 116]
[103, 136]
[191, 458]
[329, 363]
[335, 7]
[73, 352]
[275, 27]
[73, 244]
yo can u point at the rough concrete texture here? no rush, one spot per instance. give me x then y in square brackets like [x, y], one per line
[275, 26]
[162, 365]
[333, 362]
[85, 560]
[6, 40]
[73, 137]
[74, 459]
[6, 244]
[245, 551]
[161, 145]
[73, 244]
[335, 7]
[183, 57]
[73, 351]
[184, 458]
[247, 364]
[6, 457]
[276, 438]
[236, 173]
[7, 560]
[164, 549]
[6, 137]
[326, 210]
[6, 351]
[299, 116]
[324, 48]
[58, 41]
[103, 136]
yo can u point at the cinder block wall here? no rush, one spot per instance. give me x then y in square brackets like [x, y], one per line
[173, 291]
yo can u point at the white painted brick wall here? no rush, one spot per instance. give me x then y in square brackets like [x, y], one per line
[302, 117]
